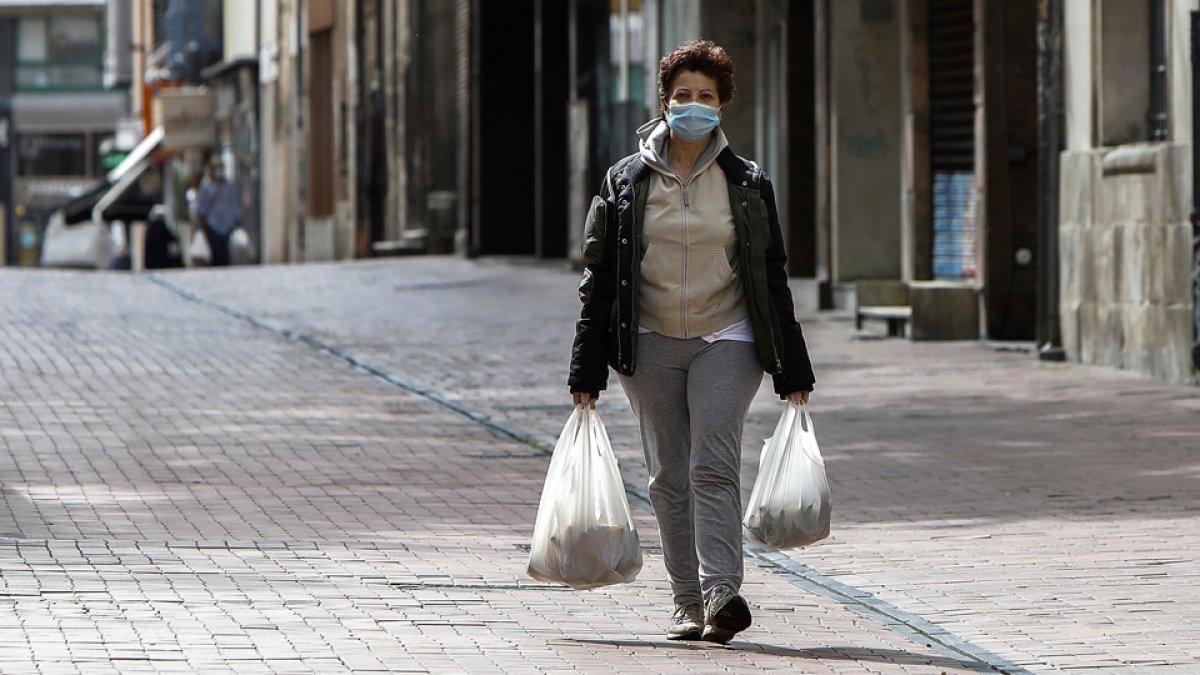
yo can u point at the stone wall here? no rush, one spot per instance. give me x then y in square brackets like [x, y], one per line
[865, 119]
[1126, 258]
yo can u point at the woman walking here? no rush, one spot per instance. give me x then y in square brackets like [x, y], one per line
[685, 295]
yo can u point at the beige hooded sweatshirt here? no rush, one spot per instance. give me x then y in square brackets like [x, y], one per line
[689, 274]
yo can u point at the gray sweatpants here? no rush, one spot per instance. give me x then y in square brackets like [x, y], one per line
[690, 398]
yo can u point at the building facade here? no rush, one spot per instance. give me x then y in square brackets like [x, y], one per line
[58, 119]
[1022, 169]
[1130, 257]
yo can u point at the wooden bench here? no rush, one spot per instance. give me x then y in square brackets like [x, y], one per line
[897, 317]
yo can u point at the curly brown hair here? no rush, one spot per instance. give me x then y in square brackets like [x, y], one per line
[701, 56]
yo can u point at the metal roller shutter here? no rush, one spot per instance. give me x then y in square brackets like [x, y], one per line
[952, 136]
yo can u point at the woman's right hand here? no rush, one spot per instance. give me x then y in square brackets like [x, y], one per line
[584, 398]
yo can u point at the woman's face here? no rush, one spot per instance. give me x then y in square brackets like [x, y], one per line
[691, 86]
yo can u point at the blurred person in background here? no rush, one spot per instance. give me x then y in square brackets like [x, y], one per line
[218, 210]
[685, 294]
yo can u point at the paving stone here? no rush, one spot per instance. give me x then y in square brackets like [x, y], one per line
[1002, 498]
[184, 492]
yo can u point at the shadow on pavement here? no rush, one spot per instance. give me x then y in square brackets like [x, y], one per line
[848, 653]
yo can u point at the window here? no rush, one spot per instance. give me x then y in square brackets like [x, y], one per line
[52, 155]
[60, 52]
[628, 49]
[1122, 71]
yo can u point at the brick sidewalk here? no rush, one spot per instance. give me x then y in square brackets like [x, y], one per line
[184, 492]
[1047, 513]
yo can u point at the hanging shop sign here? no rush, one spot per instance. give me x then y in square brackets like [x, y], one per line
[186, 116]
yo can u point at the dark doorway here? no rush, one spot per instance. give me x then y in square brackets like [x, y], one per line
[1009, 58]
[320, 129]
[431, 111]
[371, 128]
[802, 129]
[504, 129]
[552, 94]
[952, 138]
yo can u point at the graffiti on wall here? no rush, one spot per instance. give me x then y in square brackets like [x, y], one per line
[868, 145]
[872, 97]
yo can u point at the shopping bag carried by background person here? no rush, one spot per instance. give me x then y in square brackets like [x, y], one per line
[790, 504]
[199, 251]
[584, 535]
[241, 249]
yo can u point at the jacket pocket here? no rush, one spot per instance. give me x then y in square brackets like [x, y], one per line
[724, 269]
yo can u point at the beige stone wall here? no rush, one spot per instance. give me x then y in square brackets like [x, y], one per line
[1179, 68]
[731, 24]
[1125, 243]
[343, 131]
[276, 100]
[866, 115]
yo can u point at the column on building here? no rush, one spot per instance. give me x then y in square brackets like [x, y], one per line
[861, 131]
[1125, 240]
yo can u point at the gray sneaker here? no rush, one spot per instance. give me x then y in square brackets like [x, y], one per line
[687, 622]
[725, 615]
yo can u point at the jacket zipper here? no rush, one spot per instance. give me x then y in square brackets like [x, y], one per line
[683, 296]
[687, 201]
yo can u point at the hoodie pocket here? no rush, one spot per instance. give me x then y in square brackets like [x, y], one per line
[724, 269]
[648, 257]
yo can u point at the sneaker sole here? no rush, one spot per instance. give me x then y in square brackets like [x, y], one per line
[731, 620]
[690, 635]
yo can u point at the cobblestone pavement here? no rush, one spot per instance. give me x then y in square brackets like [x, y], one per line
[1044, 513]
[186, 492]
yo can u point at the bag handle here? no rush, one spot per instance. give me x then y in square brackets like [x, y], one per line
[811, 450]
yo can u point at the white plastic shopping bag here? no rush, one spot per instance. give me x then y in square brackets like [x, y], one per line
[199, 250]
[241, 249]
[790, 504]
[584, 535]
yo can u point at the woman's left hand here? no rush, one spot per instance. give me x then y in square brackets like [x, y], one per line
[800, 397]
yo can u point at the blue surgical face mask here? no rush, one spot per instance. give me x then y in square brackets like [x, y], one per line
[692, 121]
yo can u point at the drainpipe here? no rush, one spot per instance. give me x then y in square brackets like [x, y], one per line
[1195, 216]
[472, 189]
[1050, 123]
[1158, 73]
[539, 135]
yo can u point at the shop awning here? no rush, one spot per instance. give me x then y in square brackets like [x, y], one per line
[111, 193]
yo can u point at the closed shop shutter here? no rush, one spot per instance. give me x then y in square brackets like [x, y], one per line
[952, 137]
